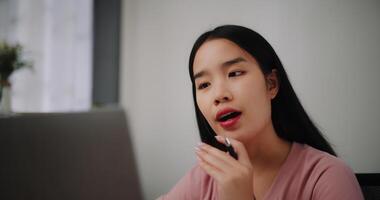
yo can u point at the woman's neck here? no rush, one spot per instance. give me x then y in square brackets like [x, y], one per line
[267, 151]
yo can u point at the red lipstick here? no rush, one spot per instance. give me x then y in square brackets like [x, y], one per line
[228, 117]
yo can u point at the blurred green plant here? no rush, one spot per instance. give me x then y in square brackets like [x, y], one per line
[10, 61]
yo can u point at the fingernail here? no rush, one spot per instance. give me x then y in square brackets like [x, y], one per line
[197, 149]
[200, 144]
[218, 137]
[227, 141]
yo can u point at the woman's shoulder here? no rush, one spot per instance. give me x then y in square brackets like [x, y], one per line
[325, 172]
[319, 159]
[196, 184]
[197, 176]
[197, 172]
[306, 162]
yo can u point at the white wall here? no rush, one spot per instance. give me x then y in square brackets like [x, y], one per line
[330, 50]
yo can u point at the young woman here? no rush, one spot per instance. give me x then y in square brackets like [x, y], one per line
[242, 96]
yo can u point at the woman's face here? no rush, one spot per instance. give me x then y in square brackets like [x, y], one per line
[231, 91]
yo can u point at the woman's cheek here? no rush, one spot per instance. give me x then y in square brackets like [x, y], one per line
[207, 112]
[203, 106]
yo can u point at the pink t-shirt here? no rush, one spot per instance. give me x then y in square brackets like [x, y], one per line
[306, 174]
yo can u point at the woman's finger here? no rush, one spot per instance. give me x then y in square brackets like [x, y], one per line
[208, 155]
[210, 169]
[217, 153]
[239, 149]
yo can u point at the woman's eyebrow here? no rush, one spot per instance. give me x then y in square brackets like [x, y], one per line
[199, 74]
[224, 65]
[233, 62]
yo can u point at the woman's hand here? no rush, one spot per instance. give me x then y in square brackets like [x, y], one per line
[234, 177]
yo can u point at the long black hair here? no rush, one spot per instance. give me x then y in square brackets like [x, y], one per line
[289, 118]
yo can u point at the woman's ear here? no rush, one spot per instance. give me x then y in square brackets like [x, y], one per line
[272, 84]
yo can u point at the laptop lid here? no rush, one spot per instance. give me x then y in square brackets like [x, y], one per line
[85, 155]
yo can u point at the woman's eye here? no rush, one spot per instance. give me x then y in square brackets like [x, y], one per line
[235, 73]
[203, 85]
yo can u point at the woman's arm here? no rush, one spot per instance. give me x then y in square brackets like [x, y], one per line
[337, 182]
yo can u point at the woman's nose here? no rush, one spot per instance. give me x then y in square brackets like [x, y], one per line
[222, 94]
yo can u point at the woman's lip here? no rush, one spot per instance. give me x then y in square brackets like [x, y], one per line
[224, 111]
[230, 123]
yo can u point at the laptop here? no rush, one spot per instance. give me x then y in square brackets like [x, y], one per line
[62, 156]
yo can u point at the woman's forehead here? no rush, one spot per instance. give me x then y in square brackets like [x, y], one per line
[216, 52]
